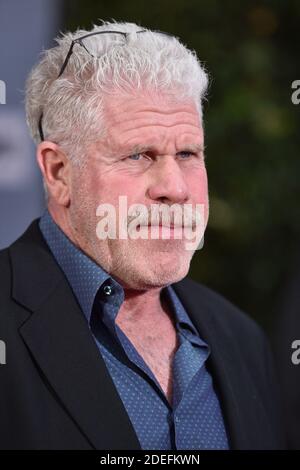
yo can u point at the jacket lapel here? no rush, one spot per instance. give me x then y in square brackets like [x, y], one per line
[61, 343]
[244, 414]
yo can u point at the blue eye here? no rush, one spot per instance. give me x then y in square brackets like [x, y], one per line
[138, 157]
[131, 157]
[187, 153]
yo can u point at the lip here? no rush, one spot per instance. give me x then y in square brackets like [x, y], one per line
[162, 225]
[171, 231]
[172, 226]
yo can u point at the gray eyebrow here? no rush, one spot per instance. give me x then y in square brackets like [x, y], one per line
[195, 147]
[144, 148]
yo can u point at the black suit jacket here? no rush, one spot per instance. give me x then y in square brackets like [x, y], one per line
[55, 389]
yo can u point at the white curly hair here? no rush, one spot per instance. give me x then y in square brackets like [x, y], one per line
[73, 105]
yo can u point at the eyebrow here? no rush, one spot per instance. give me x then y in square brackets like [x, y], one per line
[192, 147]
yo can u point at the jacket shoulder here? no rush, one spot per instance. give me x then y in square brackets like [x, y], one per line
[19, 248]
[229, 317]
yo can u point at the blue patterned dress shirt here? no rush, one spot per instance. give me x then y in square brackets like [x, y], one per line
[194, 421]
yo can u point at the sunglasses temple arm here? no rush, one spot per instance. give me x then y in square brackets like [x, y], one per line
[40, 128]
[66, 59]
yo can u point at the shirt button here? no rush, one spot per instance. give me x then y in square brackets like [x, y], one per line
[107, 290]
[176, 419]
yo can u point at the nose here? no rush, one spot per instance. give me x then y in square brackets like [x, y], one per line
[168, 183]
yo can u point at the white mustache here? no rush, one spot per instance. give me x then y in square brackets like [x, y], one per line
[162, 222]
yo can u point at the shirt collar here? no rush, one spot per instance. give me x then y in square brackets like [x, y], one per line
[183, 321]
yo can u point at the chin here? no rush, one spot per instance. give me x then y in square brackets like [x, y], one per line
[145, 269]
[162, 275]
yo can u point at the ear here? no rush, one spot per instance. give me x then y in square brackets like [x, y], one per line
[55, 167]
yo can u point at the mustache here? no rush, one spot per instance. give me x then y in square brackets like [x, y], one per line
[182, 218]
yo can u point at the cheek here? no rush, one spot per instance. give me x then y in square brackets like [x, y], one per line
[107, 190]
[96, 186]
[198, 186]
[118, 185]
[86, 192]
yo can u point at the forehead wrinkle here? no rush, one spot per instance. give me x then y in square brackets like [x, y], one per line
[155, 137]
[130, 128]
[135, 133]
[154, 111]
[147, 118]
[116, 136]
[185, 109]
[161, 125]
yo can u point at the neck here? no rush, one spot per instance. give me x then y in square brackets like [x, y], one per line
[61, 219]
[139, 305]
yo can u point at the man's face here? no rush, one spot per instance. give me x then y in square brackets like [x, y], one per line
[167, 173]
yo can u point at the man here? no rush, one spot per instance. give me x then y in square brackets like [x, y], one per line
[108, 344]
